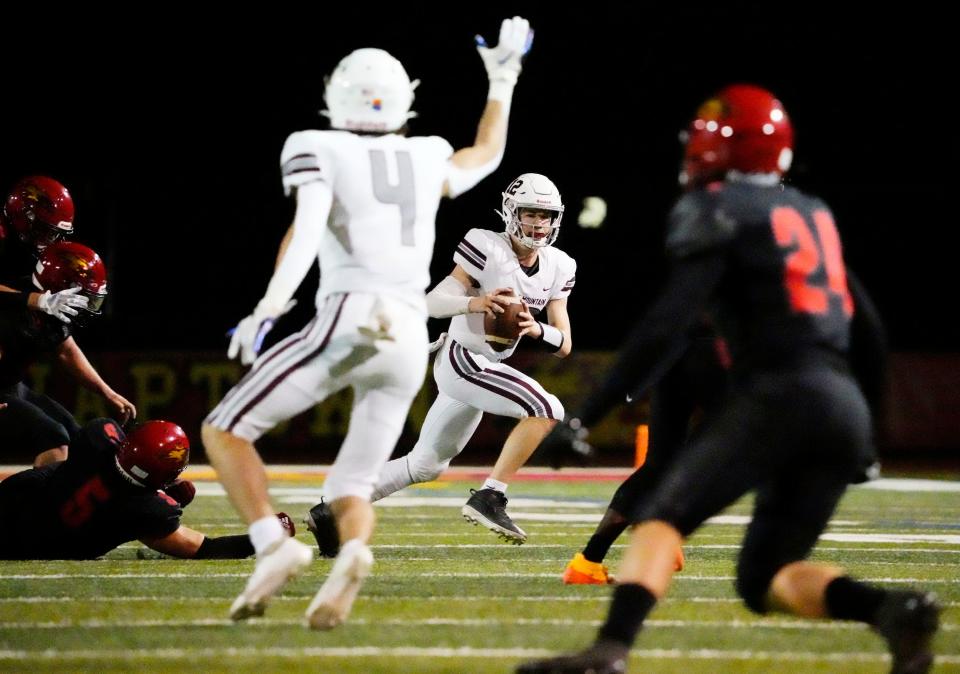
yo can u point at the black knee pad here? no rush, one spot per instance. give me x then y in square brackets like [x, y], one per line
[753, 581]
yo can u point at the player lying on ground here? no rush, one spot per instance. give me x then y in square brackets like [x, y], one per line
[112, 489]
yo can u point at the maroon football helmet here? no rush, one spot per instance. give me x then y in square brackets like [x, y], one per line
[154, 454]
[40, 211]
[742, 128]
[66, 264]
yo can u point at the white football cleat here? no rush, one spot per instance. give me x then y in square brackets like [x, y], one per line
[333, 601]
[272, 572]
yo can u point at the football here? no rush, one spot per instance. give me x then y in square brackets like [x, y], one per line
[501, 330]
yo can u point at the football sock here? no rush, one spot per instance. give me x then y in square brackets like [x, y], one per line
[629, 608]
[848, 599]
[495, 485]
[611, 526]
[266, 532]
[394, 477]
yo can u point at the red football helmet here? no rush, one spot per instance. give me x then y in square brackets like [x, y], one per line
[742, 128]
[153, 455]
[40, 210]
[66, 264]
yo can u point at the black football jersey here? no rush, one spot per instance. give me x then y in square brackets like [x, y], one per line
[25, 336]
[80, 508]
[784, 287]
[17, 262]
[762, 264]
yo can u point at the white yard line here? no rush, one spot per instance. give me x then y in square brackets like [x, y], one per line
[683, 577]
[602, 598]
[952, 539]
[462, 652]
[564, 546]
[452, 622]
[912, 486]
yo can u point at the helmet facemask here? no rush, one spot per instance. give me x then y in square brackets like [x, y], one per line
[95, 300]
[43, 234]
[540, 232]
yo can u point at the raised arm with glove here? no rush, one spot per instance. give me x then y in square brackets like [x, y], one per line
[503, 62]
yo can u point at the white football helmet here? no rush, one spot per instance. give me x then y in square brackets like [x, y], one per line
[369, 91]
[531, 190]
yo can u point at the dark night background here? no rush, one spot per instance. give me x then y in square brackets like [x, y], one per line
[167, 129]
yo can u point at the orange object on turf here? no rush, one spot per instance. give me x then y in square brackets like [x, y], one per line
[581, 571]
[642, 441]
[678, 562]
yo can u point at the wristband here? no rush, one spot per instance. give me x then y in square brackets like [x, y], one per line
[551, 336]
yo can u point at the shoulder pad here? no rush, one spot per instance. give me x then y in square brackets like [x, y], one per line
[697, 224]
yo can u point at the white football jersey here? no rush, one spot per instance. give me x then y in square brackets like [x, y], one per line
[489, 258]
[386, 189]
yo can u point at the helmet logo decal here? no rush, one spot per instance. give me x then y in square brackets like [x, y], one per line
[33, 193]
[75, 261]
[38, 197]
[112, 432]
[177, 453]
[712, 109]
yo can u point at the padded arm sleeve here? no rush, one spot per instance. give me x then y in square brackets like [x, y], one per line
[448, 298]
[225, 547]
[313, 206]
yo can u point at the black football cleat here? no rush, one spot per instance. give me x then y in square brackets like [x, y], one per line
[908, 620]
[604, 657]
[323, 525]
[489, 508]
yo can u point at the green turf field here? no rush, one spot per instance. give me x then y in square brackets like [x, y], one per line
[449, 597]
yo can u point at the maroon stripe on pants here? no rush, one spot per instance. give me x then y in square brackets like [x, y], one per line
[506, 393]
[536, 394]
[286, 373]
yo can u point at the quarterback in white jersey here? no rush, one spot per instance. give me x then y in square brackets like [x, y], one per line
[469, 373]
[489, 259]
[367, 197]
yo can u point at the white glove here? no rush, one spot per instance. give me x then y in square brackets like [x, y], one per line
[64, 304]
[247, 338]
[503, 62]
[435, 345]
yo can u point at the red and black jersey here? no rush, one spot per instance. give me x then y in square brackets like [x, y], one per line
[80, 508]
[17, 261]
[26, 336]
[784, 287]
[763, 264]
